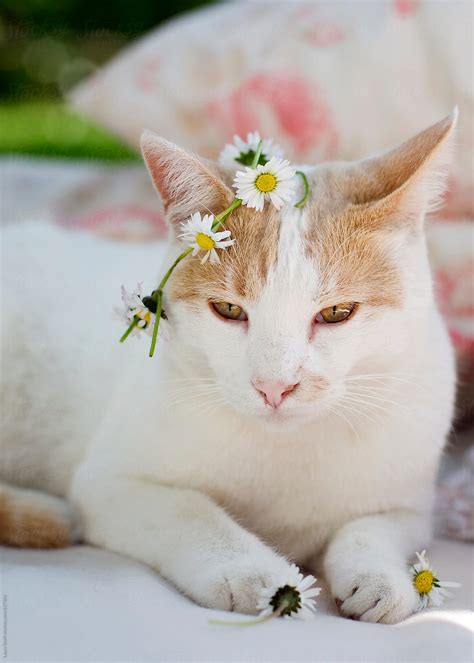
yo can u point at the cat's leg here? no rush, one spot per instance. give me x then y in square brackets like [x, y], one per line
[366, 565]
[31, 519]
[181, 533]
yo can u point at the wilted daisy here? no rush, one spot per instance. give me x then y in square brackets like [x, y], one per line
[134, 306]
[242, 153]
[197, 231]
[294, 596]
[431, 590]
[274, 181]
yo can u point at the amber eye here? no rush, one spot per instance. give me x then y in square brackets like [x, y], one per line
[229, 311]
[336, 313]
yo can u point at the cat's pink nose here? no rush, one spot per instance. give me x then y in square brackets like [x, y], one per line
[273, 392]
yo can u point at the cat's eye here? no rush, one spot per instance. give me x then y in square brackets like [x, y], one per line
[229, 311]
[336, 313]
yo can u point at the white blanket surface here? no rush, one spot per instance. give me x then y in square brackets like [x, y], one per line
[83, 604]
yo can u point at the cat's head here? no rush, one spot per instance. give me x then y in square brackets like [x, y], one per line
[310, 302]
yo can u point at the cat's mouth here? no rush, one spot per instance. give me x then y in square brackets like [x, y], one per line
[288, 415]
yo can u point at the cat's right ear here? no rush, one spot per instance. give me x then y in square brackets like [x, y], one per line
[185, 183]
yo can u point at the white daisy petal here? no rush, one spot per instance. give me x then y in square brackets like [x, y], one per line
[198, 233]
[214, 258]
[241, 152]
[305, 583]
[446, 583]
[134, 308]
[274, 181]
[422, 560]
[431, 590]
[225, 244]
[304, 594]
[223, 234]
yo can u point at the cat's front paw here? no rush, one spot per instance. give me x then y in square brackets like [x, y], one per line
[236, 586]
[385, 596]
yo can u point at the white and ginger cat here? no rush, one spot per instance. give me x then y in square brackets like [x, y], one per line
[264, 430]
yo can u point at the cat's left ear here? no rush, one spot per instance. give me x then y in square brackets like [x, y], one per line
[399, 187]
[185, 182]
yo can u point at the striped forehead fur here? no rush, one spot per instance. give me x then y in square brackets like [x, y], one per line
[352, 206]
[243, 268]
[344, 252]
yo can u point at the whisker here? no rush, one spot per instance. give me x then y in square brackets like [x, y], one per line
[344, 418]
[376, 397]
[213, 405]
[193, 396]
[364, 402]
[351, 407]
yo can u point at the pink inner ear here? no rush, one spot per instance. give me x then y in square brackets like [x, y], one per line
[157, 154]
[185, 184]
[424, 155]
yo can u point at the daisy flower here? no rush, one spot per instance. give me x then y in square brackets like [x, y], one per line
[197, 231]
[274, 181]
[242, 152]
[136, 305]
[431, 590]
[294, 596]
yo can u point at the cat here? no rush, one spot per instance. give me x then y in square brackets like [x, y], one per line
[296, 410]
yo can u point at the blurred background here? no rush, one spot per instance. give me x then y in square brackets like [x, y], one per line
[46, 47]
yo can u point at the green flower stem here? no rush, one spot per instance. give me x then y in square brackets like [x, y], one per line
[159, 305]
[171, 269]
[220, 218]
[129, 330]
[253, 622]
[257, 156]
[158, 294]
[301, 203]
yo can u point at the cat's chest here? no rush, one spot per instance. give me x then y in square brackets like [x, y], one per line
[292, 490]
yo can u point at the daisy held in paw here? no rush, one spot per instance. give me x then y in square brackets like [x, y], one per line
[431, 590]
[269, 178]
[294, 596]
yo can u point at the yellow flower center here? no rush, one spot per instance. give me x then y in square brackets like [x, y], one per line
[205, 242]
[266, 182]
[424, 582]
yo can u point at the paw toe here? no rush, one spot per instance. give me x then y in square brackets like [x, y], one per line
[377, 598]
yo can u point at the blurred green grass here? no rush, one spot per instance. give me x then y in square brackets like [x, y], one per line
[54, 130]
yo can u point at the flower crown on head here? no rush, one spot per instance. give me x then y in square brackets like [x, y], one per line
[266, 177]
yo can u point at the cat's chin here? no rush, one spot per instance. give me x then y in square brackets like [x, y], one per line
[286, 419]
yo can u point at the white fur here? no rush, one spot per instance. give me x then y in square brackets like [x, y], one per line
[176, 460]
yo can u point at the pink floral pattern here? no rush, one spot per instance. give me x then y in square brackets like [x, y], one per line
[126, 222]
[322, 34]
[455, 295]
[298, 111]
[405, 8]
